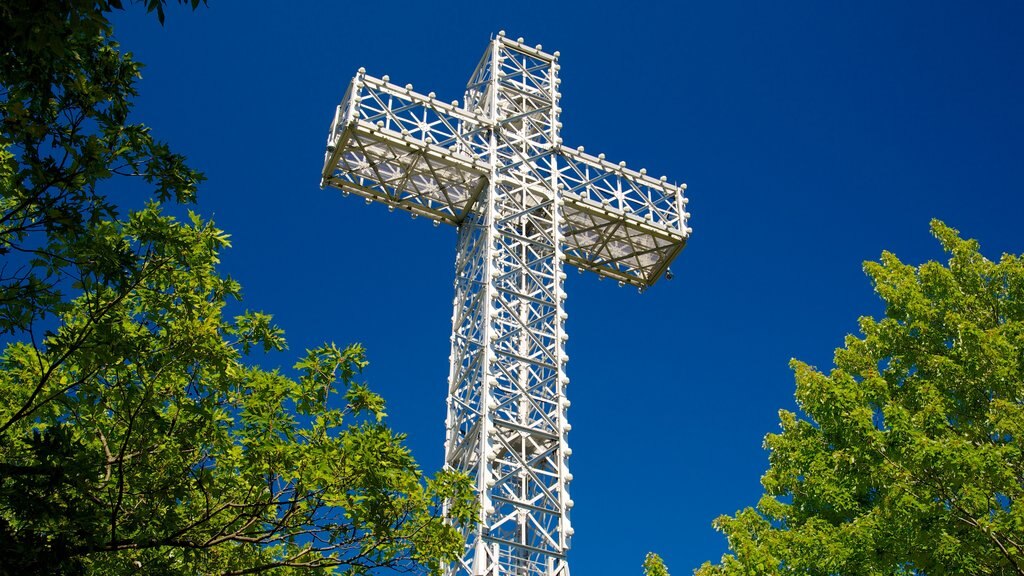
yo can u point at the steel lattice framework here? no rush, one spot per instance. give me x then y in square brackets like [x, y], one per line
[524, 206]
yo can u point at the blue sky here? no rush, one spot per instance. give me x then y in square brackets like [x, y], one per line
[812, 136]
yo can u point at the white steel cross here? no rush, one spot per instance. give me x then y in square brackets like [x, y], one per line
[524, 205]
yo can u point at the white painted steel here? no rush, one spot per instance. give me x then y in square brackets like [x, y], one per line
[524, 205]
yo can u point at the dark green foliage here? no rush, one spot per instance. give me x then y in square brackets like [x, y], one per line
[136, 433]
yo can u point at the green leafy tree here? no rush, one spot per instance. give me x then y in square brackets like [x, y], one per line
[654, 566]
[138, 434]
[907, 459]
[66, 95]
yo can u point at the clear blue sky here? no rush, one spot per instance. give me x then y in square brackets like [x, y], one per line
[812, 136]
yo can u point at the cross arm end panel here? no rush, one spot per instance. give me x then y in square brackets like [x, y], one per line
[407, 150]
[618, 222]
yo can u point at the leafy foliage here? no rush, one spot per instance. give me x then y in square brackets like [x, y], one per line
[909, 458]
[67, 92]
[136, 430]
[654, 566]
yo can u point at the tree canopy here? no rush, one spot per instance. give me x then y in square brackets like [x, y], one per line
[138, 430]
[654, 565]
[906, 458]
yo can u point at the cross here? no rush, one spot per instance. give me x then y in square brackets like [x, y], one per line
[524, 206]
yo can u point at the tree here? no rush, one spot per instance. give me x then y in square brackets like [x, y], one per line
[138, 431]
[654, 566]
[907, 458]
[64, 130]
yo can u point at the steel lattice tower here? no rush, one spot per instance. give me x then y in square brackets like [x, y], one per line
[524, 206]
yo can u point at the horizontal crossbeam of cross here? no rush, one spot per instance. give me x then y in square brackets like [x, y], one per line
[416, 153]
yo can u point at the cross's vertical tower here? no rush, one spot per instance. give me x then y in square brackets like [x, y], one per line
[506, 403]
[524, 206]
